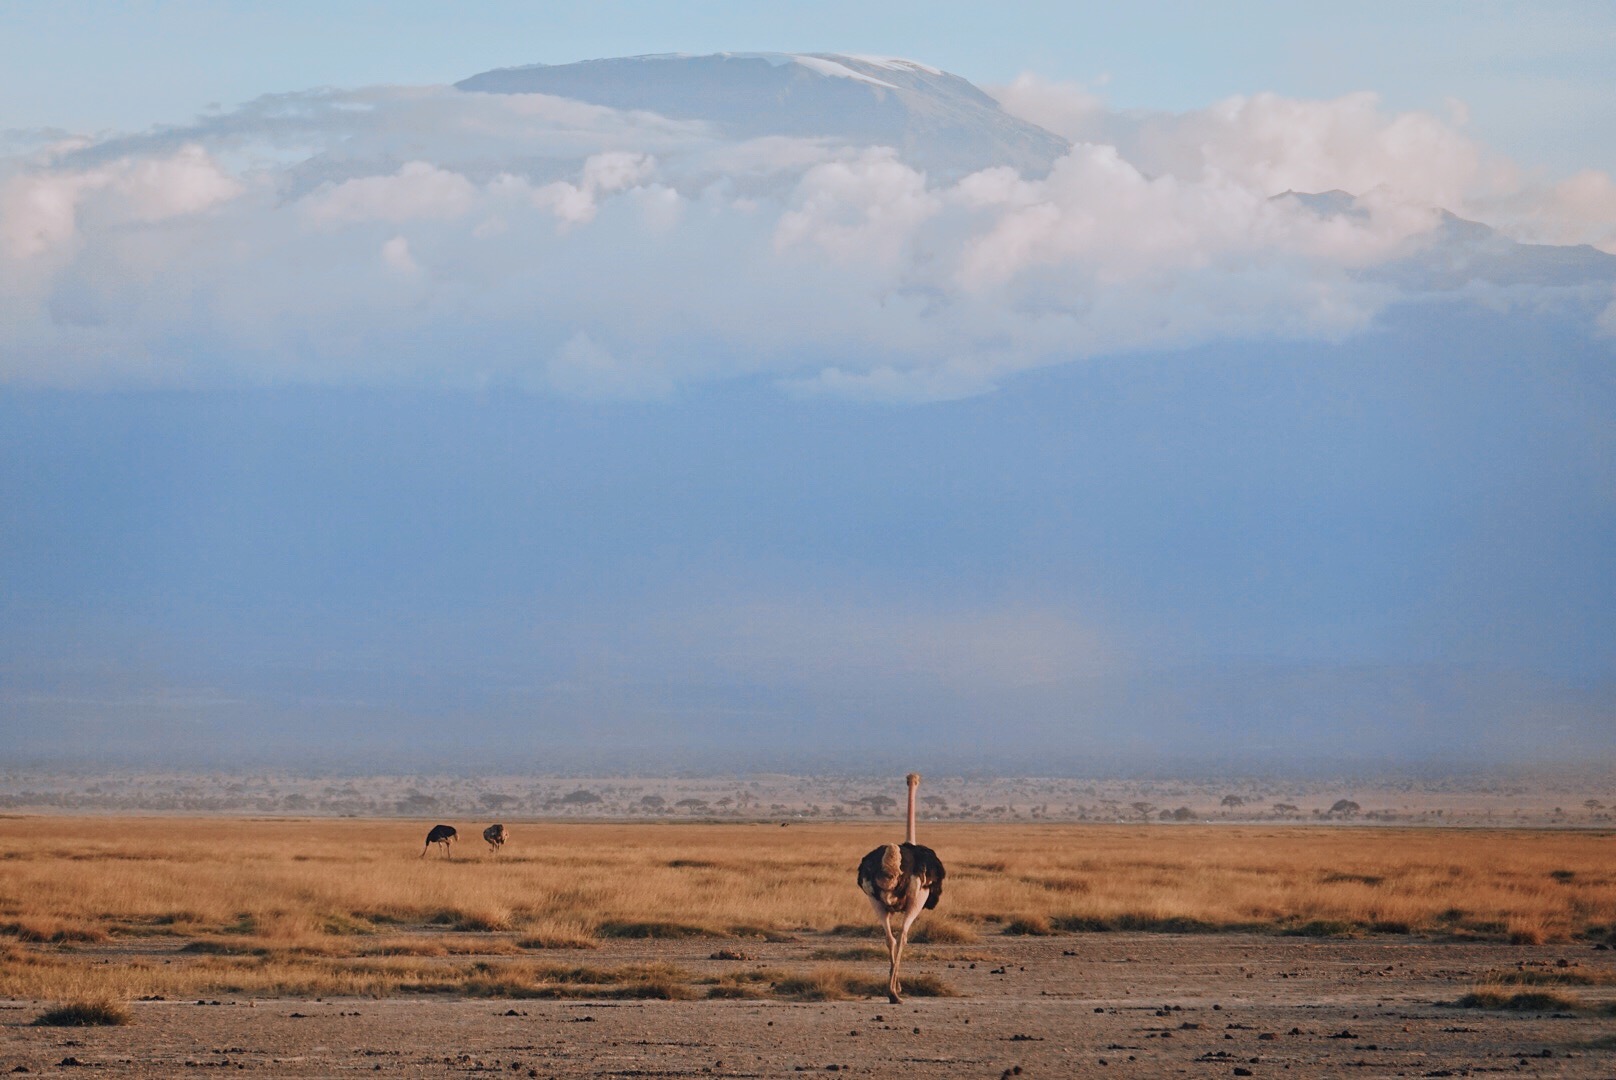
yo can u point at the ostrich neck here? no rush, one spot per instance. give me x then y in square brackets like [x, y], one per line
[909, 831]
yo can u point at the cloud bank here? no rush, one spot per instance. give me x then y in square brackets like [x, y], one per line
[431, 236]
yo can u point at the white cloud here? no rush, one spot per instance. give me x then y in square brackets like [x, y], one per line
[189, 182]
[396, 254]
[1067, 109]
[418, 191]
[605, 253]
[887, 384]
[867, 207]
[575, 202]
[1578, 210]
[40, 207]
[1274, 144]
[585, 369]
[39, 212]
[1607, 319]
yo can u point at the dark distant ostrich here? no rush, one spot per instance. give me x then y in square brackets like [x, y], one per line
[495, 835]
[901, 879]
[440, 834]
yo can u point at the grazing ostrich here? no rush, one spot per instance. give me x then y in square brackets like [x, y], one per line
[901, 879]
[440, 834]
[495, 835]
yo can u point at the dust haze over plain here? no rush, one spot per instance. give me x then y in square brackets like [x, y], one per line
[803, 413]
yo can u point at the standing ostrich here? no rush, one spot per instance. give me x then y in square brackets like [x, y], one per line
[901, 879]
[440, 834]
[495, 835]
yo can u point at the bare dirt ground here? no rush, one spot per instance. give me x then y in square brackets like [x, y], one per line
[1123, 1005]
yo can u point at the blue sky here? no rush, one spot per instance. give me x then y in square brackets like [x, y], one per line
[350, 419]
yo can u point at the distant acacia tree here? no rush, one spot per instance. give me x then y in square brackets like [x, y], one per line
[1345, 807]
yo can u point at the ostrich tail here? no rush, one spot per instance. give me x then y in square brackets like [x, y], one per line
[891, 861]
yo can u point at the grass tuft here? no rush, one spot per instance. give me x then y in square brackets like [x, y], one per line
[856, 930]
[1165, 924]
[941, 930]
[843, 984]
[1522, 1001]
[473, 920]
[1321, 928]
[98, 1012]
[52, 932]
[339, 924]
[219, 947]
[765, 933]
[855, 952]
[1568, 976]
[558, 934]
[651, 929]
[1361, 879]
[829, 984]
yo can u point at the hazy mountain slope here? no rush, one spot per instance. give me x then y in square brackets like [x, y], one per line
[1459, 253]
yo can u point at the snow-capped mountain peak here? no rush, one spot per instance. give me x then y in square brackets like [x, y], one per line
[936, 121]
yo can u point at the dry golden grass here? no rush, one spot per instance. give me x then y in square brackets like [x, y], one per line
[346, 907]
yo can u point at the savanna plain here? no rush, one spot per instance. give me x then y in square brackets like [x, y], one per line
[329, 947]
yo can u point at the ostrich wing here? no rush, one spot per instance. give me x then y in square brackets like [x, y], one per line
[922, 863]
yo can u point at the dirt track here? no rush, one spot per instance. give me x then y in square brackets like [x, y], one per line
[1119, 1005]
